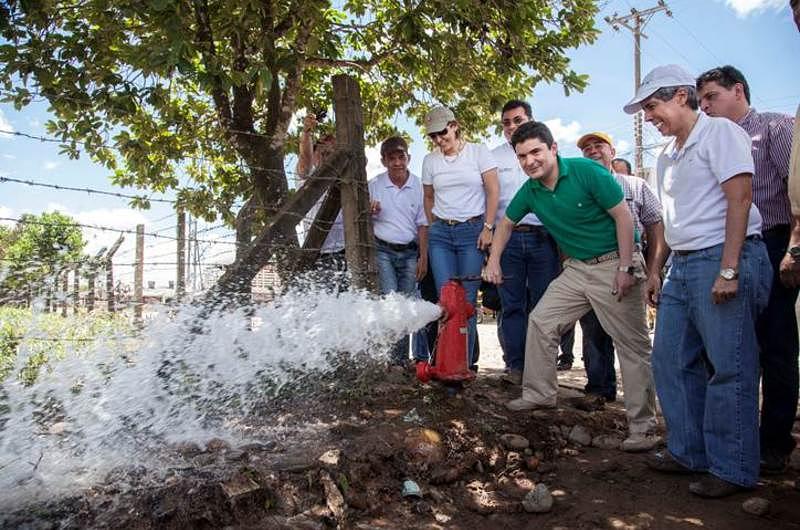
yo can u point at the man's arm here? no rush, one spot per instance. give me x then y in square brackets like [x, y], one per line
[422, 261]
[305, 159]
[492, 272]
[624, 225]
[491, 187]
[738, 192]
[789, 270]
[657, 252]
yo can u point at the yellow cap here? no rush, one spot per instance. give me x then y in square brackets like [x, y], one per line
[601, 135]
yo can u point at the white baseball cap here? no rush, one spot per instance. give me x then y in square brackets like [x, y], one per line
[437, 119]
[668, 75]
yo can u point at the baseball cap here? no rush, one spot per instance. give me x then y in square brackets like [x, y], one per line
[668, 75]
[437, 119]
[392, 144]
[601, 135]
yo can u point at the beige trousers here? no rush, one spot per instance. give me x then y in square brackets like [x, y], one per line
[579, 288]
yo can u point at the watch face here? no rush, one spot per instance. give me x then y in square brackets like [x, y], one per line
[795, 252]
[728, 274]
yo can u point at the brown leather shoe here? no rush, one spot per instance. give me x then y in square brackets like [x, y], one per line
[665, 463]
[711, 487]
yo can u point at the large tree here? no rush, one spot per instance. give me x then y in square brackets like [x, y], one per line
[155, 89]
[39, 247]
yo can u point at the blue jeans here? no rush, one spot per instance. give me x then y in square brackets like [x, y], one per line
[529, 263]
[705, 363]
[598, 358]
[776, 330]
[397, 272]
[453, 251]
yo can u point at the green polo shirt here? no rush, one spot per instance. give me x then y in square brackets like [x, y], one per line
[575, 212]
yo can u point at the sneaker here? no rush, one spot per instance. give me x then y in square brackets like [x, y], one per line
[563, 366]
[712, 487]
[512, 377]
[639, 442]
[521, 404]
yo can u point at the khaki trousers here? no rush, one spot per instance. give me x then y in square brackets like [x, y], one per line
[579, 288]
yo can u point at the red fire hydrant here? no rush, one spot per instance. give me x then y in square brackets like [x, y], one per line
[450, 361]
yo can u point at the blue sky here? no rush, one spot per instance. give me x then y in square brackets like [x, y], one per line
[757, 36]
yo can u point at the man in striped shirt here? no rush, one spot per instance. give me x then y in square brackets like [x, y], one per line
[645, 208]
[724, 92]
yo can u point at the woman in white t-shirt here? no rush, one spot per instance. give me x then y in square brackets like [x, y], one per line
[461, 193]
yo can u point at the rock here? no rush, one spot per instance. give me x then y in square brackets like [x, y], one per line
[580, 435]
[513, 459]
[479, 467]
[514, 441]
[607, 441]
[330, 458]
[538, 500]
[215, 445]
[424, 446]
[756, 506]
[236, 455]
[333, 497]
[238, 486]
[442, 518]
[188, 449]
[436, 495]
[532, 463]
[259, 447]
[421, 508]
[58, 428]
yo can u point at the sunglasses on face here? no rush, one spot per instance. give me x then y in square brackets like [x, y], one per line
[435, 135]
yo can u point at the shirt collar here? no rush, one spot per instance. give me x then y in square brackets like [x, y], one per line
[387, 182]
[694, 136]
[751, 113]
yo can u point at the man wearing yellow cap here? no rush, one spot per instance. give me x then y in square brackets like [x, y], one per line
[598, 348]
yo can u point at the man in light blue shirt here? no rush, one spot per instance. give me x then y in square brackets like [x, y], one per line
[400, 227]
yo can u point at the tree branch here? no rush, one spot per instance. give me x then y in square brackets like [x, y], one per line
[204, 40]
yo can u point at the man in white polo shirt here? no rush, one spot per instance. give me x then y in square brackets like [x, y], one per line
[705, 355]
[530, 260]
[400, 226]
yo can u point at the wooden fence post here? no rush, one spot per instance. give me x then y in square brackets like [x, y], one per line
[358, 235]
[138, 277]
[180, 281]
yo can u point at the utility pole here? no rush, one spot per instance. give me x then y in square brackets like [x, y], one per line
[180, 281]
[636, 22]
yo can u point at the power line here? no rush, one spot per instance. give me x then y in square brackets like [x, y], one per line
[85, 190]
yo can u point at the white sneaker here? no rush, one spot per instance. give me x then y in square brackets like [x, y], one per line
[639, 442]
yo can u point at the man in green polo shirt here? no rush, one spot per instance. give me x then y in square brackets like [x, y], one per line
[583, 207]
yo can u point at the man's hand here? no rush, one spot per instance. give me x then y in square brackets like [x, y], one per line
[652, 290]
[374, 207]
[485, 239]
[492, 272]
[309, 123]
[622, 284]
[422, 267]
[724, 290]
[789, 272]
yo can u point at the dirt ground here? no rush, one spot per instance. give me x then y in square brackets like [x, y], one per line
[349, 472]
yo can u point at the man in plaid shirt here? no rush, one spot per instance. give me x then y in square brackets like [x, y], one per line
[645, 208]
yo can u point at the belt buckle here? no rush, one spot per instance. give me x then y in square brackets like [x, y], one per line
[451, 222]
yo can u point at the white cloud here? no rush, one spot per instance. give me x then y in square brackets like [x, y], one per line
[8, 157]
[50, 166]
[6, 212]
[5, 125]
[743, 8]
[564, 133]
[622, 147]
[374, 164]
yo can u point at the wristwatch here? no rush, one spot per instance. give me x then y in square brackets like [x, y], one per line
[728, 274]
[629, 269]
[794, 252]
[488, 226]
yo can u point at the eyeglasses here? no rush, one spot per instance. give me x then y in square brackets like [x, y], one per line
[435, 135]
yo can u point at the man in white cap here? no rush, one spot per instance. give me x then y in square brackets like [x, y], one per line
[705, 354]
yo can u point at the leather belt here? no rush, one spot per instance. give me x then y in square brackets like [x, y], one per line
[399, 247]
[452, 222]
[754, 237]
[608, 256]
[529, 228]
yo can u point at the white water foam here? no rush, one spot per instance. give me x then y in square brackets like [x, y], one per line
[190, 378]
